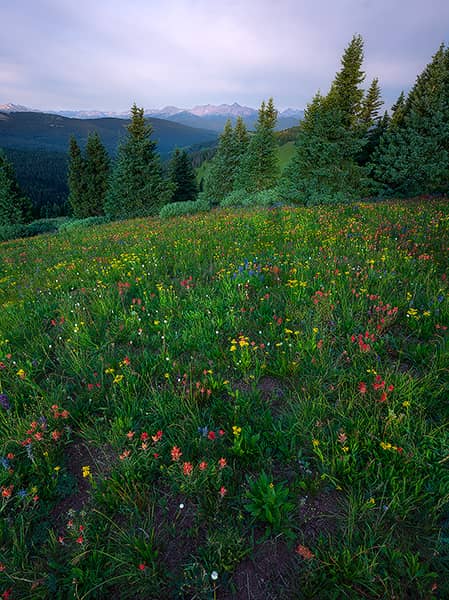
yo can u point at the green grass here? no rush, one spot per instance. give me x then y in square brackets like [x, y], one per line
[257, 395]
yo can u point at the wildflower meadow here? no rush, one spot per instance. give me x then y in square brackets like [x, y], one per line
[245, 403]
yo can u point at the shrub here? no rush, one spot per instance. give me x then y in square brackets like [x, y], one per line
[44, 226]
[263, 198]
[235, 198]
[83, 223]
[178, 209]
[11, 232]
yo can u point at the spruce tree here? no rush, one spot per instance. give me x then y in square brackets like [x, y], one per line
[413, 154]
[259, 168]
[240, 144]
[76, 180]
[182, 177]
[324, 167]
[96, 175]
[137, 187]
[346, 92]
[220, 178]
[15, 208]
[398, 111]
[329, 158]
[371, 104]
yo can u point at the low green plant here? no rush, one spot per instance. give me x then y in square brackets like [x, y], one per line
[178, 209]
[72, 224]
[268, 503]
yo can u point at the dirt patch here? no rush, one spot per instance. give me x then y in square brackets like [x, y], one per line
[266, 575]
[320, 514]
[78, 455]
[175, 520]
[271, 390]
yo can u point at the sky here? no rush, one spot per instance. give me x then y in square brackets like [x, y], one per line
[107, 54]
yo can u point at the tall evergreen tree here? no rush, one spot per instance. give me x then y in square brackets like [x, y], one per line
[324, 167]
[398, 111]
[220, 178]
[182, 176]
[346, 92]
[329, 158]
[137, 187]
[15, 208]
[413, 154]
[76, 180]
[371, 125]
[260, 168]
[371, 104]
[96, 175]
[240, 143]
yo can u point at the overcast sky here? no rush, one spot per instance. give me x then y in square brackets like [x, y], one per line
[106, 54]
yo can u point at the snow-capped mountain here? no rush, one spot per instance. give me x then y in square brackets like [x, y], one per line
[205, 116]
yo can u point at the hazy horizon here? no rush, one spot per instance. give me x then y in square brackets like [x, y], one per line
[106, 55]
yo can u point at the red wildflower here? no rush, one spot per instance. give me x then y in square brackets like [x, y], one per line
[157, 436]
[304, 552]
[142, 567]
[144, 436]
[362, 387]
[211, 435]
[222, 463]
[175, 453]
[187, 468]
[223, 491]
[202, 466]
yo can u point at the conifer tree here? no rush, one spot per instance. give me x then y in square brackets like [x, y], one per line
[329, 158]
[76, 180]
[137, 187]
[259, 168]
[398, 111]
[15, 208]
[371, 104]
[182, 177]
[96, 175]
[240, 143]
[346, 93]
[413, 154]
[220, 178]
[324, 167]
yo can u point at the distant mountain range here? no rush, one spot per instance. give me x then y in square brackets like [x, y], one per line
[207, 116]
[36, 130]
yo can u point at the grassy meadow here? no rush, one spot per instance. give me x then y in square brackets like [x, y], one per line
[241, 404]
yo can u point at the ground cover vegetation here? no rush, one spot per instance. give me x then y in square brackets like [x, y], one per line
[239, 404]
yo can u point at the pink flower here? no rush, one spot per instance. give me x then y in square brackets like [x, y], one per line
[223, 491]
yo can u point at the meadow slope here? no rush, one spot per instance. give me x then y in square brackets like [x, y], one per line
[242, 404]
